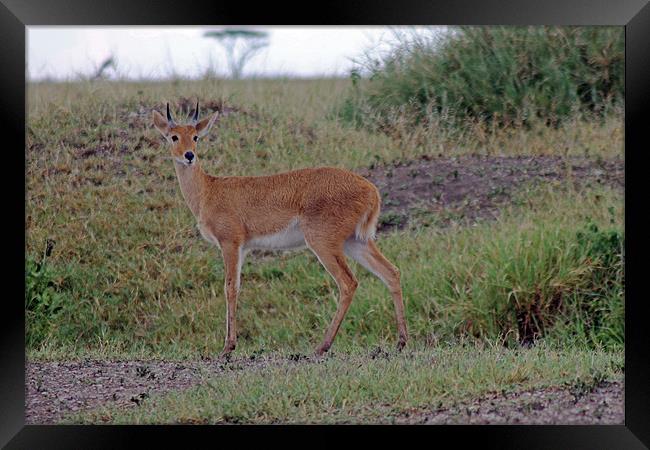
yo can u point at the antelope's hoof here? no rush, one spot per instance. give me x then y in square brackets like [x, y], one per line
[226, 352]
[320, 351]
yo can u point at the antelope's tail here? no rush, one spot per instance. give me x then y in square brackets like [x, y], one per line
[367, 226]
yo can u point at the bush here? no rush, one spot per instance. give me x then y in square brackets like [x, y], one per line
[501, 75]
[600, 315]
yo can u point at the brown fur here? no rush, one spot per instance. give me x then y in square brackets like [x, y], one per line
[336, 211]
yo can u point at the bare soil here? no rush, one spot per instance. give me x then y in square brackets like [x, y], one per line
[54, 389]
[469, 188]
[601, 405]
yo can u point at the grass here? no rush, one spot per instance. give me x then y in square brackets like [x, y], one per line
[115, 267]
[375, 387]
[499, 76]
[128, 274]
[481, 281]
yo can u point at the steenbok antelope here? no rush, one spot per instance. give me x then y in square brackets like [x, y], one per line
[332, 211]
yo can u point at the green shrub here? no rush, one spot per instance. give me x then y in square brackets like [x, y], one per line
[501, 75]
[600, 314]
[604, 246]
[587, 308]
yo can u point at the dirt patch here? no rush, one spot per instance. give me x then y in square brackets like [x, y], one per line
[54, 389]
[469, 188]
[601, 405]
[102, 150]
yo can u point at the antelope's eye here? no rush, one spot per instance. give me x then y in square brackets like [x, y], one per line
[174, 138]
[196, 138]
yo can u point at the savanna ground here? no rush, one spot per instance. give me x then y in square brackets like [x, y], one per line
[508, 244]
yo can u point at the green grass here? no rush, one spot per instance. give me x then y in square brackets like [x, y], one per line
[116, 269]
[129, 276]
[360, 388]
[480, 281]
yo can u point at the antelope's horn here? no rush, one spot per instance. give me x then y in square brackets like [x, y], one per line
[169, 116]
[196, 113]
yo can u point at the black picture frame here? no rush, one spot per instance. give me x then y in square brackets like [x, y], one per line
[634, 15]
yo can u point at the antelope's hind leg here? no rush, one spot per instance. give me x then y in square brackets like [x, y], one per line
[332, 258]
[368, 255]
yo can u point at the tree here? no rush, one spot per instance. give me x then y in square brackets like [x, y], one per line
[240, 46]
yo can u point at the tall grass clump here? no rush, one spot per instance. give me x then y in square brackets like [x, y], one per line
[502, 76]
[540, 278]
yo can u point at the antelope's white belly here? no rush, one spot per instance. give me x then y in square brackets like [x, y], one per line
[289, 238]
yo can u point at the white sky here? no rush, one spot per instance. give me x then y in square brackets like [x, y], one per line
[159, 52]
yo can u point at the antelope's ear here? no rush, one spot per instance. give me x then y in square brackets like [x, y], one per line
[203, 126]
[160, 123]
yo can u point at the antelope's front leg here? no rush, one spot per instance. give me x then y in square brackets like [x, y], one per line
[232, 261]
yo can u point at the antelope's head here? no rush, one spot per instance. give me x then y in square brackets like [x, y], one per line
[183, 138]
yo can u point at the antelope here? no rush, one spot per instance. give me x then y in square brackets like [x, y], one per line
[331, 211]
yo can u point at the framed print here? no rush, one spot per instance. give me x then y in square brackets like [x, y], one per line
[408, 214]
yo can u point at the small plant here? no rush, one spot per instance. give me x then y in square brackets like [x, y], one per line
[583, 386]
[392, 219]
[422, 217]
[272, 273]
[497, 191]
[603, 246]
[43, 303]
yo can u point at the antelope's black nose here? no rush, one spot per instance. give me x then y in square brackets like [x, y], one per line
[189, 156]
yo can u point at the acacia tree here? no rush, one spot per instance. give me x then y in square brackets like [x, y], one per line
[240, 46]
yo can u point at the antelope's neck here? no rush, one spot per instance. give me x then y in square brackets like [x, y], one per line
[192, 181]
